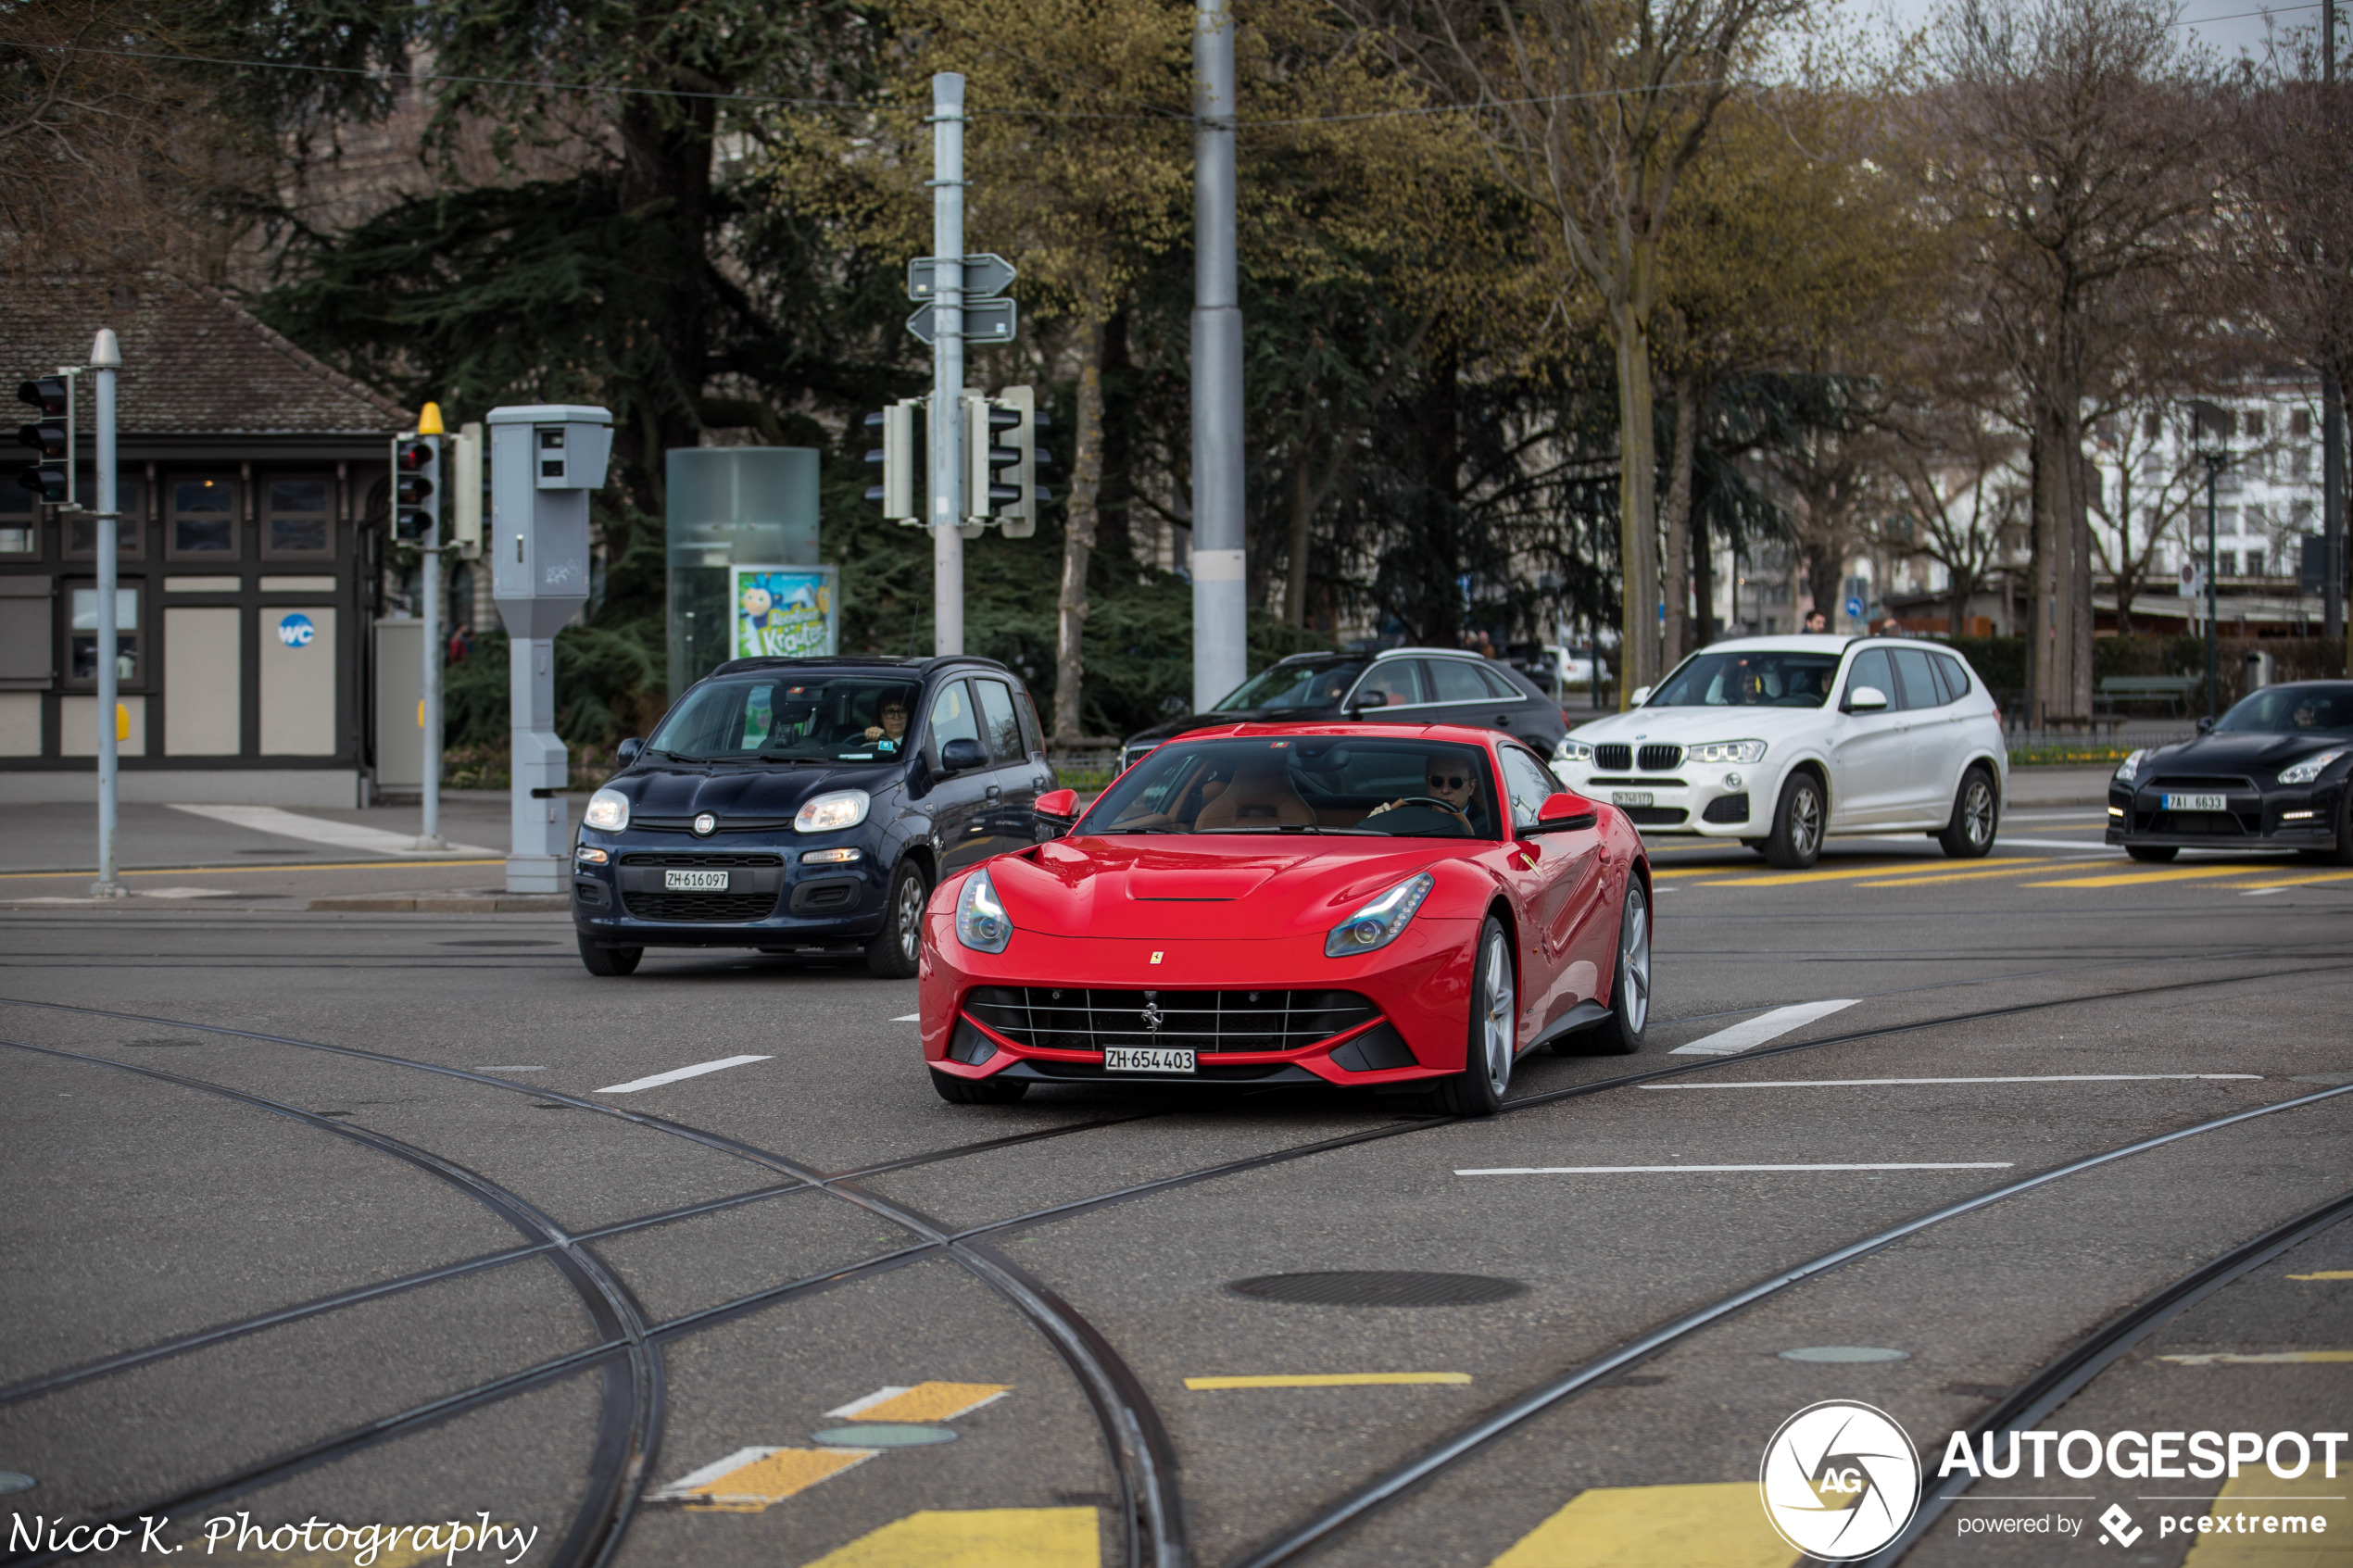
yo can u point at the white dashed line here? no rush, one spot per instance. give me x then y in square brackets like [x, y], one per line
[909, 1017]
[1682, 1170]
[2037, 1078]
[1766, 1026]
[697, 1070]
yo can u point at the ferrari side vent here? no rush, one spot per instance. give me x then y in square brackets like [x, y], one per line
[1071, 1018]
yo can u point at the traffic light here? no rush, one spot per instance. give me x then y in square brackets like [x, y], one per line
[1016, 495]
[416, 479]
[50, 479]
[987, 425]
[895, 458]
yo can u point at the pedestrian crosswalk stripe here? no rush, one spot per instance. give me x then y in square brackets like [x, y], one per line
[978, 1537]
[752, 1480]
[1716, 1524]
[921, 1402]
[1325, 1379]
[1750, 1033]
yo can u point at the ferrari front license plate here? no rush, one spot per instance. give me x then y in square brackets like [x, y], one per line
[694, 882]
[1140, 1058]
[2196, 803]
[1629, 797]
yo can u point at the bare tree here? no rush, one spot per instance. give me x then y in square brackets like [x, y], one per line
[1962, 495]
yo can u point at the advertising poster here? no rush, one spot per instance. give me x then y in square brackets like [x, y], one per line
[783, 611]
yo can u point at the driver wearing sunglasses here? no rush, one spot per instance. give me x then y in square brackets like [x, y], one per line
[1449, 784]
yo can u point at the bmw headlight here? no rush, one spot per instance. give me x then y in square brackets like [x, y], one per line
[1726, 751]
[608, 812]
[2309, 769]
[1572, 751]
[1377, 923]
[2130, 768]
[981, 922]
[834, 810]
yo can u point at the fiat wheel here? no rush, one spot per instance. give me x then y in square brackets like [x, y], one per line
[1479, 1089]
[896, 949]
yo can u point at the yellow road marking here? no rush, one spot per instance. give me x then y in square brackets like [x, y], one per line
[978, 1537]
[2297, 880]
[2326, 1274]
[2018, 868]
[767, 1477]
[222, 870]
[1784, 879]
[1326, 1379]
[925, 1401]
[1720, 1524]
[2260, 1358]
[2157, 874]
[2260, 1493]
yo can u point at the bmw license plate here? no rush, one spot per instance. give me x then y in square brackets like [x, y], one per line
[694, 882]
[1629, 797]
[2195, 803]
[1147, 1058]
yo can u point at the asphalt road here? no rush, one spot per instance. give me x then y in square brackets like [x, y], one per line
[356, 1217]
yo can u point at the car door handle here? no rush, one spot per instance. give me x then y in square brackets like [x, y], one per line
[996, 790]
[1504, 719]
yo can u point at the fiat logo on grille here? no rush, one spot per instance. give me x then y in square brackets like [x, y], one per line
[705, 825]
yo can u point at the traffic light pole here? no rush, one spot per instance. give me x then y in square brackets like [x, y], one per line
[947, 518]
[106, 358]
[1221, 650]
[429, 670]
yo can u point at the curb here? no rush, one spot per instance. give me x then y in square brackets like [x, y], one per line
[485, 902]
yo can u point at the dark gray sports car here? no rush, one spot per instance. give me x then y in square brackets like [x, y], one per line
[2268, 774]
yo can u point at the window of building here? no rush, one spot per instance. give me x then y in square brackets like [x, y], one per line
[202, 522]
[2253, 423]
[2255, 563]
[81, 649]
[19, 522]
[2300, 422]
[298, 518]
[2226, 563]
[2152, 426]
[2299, 462]
[129, 531]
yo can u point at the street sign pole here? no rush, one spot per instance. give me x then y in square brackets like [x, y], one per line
[106, 358]
[429, 674]
[946, 518]
[1221, 650]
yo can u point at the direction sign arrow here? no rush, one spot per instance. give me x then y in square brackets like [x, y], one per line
[986, 320]
[985, 275]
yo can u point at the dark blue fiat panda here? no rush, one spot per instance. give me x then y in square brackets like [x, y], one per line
[807, 805]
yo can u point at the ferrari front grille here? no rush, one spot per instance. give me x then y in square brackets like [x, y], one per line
[1660, 759]
[1072, 1018]
[1614, 757]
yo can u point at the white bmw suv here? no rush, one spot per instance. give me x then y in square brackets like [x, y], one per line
[1780, 742]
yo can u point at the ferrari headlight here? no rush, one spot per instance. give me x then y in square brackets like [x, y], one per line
[2309, 769]
[608, 812]
[1726, 751]
[981, 922]
[1572, 751]
[835, 808]
[1377, 924]
[2130, 768]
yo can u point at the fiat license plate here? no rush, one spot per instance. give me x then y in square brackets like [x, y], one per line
[1629, 797]
[694, 882]
[1145, 1059]
[2196, 803]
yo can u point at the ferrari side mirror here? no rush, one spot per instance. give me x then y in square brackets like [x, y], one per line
[1565, 813]
[1055, 812]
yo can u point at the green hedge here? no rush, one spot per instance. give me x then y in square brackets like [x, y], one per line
[2001, 660]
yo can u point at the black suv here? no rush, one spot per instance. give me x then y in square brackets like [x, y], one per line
[1406, 685]
[799, 805]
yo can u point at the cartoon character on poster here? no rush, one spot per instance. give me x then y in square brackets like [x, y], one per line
[783, 611]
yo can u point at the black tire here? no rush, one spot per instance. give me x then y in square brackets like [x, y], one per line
[1492, 1041]
[1630, 989]
[999, 1090]
[1795, 842]
[609, 962]
[1977, 817]
[2156, 854]
[897, 951]
[2342, 854]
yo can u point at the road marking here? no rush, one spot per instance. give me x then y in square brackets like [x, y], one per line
[2166, 873]
[320, 830]
[2262, 1358]
[2023, 1078]
[2261, 892]
[2326, 1274]
[1679, 1170]
[1839, 873]
[909, 1017]
[2022, 868]
[1718, 1525]
[752, 1480]
[1327, 1379]
[1765, 1026]
[2299, 880]
[922, 1402]
[2316, 1494]
[978, 1537]
[697, 1070]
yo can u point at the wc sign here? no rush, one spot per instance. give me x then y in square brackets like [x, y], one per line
[296, 630]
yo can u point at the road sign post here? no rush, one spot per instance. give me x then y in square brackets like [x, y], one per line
[1221, 624]
[946, 514]
[106, 358]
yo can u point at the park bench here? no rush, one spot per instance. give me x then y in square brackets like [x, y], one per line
[2135, 688]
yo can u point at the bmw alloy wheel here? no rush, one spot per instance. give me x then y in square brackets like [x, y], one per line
[1806, 823]
[1977, 812]
[1495, 1029]
[1634, 959]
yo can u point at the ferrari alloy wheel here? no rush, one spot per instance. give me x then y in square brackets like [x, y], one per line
[609, 962]
[895, 949]
[1478, 1090]
[2152, 852]
[1796, 839]
[1976, 814]
[1629, 997]
[977, 1091]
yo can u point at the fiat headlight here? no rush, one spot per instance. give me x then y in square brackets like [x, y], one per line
[2309, 769]
[1726, 751]
[1572, 751]
[608, 812]
[981, 922]
[835, 809]
[1377, 924]
[2130, 768]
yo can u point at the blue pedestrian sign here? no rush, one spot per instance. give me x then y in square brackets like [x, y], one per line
[1853, 608]
[296, 630]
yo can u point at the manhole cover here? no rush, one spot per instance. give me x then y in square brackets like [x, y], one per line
[1378, 1287]
[884, 1434]
[493, 942]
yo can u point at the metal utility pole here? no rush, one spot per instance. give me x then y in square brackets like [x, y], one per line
[1221, 624]
[2213, 480]
[106, 358]
[947, 518]
[2332, 406]
[429, 670]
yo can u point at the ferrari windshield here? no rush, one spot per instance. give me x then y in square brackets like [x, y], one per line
[779, 716]
[2317, 709]
[1384, 786]
[1750, 677]
[1309, 683]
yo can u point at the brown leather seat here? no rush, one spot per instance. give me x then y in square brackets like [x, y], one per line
[1260, 794]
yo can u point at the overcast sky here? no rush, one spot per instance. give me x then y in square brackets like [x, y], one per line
[2228, 27]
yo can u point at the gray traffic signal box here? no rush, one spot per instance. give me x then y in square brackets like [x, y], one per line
[544, 459]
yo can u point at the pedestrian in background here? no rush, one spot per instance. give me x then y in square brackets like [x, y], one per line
[1891, 627]
[1817, 621]
[462, 643]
